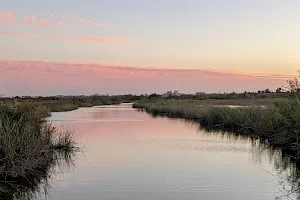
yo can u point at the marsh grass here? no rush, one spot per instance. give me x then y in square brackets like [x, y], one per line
[29, 148]
[85, 105]
[59, 106]
[277, 122]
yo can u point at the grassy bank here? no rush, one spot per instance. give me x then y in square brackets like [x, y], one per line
[277, 122]
[59, 106]
[28, 145]
[69, 103]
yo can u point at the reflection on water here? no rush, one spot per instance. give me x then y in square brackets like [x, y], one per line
[285, 174]
[36, 185]
[130, 155]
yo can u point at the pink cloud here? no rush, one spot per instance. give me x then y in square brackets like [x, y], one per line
[89, 22]
[47, 23]
[70, 37]
[32, 20]
[32, 77]
[51, 16]
[19, 33]
[102, 39]
[63, 17]
[91, 38]
[7, 17]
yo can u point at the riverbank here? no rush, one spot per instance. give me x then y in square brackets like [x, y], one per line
[63, 105]
[69, 103]
[29, 146]
[275, 122]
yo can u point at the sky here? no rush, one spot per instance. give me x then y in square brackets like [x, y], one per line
[133, 46]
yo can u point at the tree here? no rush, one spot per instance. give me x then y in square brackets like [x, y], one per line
[293, 85]
[267, 91]
[154, 95]
[279, 90]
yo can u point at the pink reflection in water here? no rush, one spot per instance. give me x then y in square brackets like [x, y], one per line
[130, 155]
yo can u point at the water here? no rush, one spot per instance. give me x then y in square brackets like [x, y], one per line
[129, 155]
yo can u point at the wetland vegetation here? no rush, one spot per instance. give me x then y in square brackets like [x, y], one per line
[274, 120]
[30, 148]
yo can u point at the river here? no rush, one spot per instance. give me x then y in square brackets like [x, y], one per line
[130, 155]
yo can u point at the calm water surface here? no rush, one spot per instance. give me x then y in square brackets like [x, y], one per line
[129, 155]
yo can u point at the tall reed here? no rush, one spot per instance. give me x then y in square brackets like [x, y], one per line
[277, 123]
[28, 144]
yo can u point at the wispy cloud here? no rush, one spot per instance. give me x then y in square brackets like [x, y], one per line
[89, 22]
[7, 17]
[92, 38]
[102, 39]
[63, 17]
[50, 20]
[47, 23]
[32, 20]
[71, 37]
[14, 33]
[89, 78]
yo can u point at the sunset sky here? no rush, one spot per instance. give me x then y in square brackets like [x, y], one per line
[144, 46]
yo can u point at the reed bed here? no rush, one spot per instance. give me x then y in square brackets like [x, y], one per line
[59, 106]
[277, 123]
[29, 146]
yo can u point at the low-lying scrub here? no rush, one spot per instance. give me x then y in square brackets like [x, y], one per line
[276, 123]
[55, 104]
[59, 106]
[28, 145]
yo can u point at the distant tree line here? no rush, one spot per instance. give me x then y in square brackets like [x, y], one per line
[260, 94]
